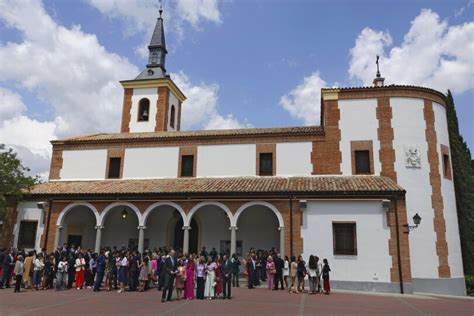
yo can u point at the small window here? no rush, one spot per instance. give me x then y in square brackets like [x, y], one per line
[362, 161]
[154, 58]
[187, 165]
[143, 110]
[446, 166]
[114, 167]
[344, 238]
[172, 116]
[27, 235]
[266, 164]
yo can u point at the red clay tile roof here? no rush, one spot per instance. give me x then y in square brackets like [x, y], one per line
[388, 87]
[311, 185]
[276, 131]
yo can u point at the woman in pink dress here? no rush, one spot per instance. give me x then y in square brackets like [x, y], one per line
[270, 272]
[180, 279]
[190, 275]
[219, 281]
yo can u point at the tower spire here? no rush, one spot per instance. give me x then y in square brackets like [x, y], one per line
[378, 80]
[155, 67]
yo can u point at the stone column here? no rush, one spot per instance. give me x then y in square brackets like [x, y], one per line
[141, 238]
[98, 238]
[233, 239]
[282, 241]
[56, 237]
[186, 239]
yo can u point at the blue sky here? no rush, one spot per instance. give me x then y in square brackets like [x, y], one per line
[241, 63]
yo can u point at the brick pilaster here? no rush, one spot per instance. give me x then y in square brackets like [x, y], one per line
[127, 107]
[56, 164]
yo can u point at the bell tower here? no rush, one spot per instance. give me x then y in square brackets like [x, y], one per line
[152, 101]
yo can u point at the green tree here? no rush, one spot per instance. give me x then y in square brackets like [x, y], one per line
[13, 179]
[463, 173]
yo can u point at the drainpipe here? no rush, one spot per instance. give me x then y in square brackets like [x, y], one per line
[50, 205]
[400, 274]
[291, 225]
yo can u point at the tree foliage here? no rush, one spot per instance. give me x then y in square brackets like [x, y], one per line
[13, 178]
[463, 173]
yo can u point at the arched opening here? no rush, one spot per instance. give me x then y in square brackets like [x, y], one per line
[178, 236]
[172, 116]
[120, 227]
[160, 221]
[143, 110]
[215, 220]
[78, 227]
[258, 228]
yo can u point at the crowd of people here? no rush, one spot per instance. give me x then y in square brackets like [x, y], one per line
[207, 275]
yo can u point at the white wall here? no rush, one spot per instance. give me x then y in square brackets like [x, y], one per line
[409, 127]
[258, 228]
[372, 262]
[84, 164]
[358, 122]
[173, 101]
[214, 226]
[79, 221]
[449, 198]
[28, 211]
[118, 231]
[293, 159]
[138, 94]
[158, 162]
[226, 160]
[157, 226]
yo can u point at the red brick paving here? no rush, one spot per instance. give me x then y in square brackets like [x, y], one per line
[256, 302]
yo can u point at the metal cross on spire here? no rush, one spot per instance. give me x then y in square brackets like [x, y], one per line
[378, 71]
[161, 7]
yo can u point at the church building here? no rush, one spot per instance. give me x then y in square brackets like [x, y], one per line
[370, 189]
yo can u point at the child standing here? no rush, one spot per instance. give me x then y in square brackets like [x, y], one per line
[180, 279]
[326, 270]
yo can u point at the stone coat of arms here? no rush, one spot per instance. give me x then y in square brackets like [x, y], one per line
[412, 157]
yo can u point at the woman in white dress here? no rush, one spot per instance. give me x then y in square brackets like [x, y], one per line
[286, 271]
[210, 279]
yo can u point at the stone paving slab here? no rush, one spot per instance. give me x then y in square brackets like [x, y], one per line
[257, 302]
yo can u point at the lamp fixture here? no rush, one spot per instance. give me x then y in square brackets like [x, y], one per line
[124, 214]
[416, 221]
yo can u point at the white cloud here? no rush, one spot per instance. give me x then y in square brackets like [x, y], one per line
[11, 104]
[140, 15]
[432, 54]
[200, 108]
[67, 69]
[303, 102]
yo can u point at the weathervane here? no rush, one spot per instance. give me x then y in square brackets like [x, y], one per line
[378, 71]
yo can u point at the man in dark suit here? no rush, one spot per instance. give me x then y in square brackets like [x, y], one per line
[134, 263]
[161, 269]
[279, 272]
[8, 264]
[227, 276]
[251, 270]
[170, 269]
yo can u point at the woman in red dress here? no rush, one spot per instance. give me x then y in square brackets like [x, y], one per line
[218, 287]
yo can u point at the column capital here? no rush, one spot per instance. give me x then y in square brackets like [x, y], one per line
[59, 226]
[141, 227]
[99, 227]
[233, 228]
[281, 227]
[186, 227]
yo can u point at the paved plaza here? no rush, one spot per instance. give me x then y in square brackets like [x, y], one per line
[256, 302]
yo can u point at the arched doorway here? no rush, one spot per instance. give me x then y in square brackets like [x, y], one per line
[120, 222]
[77, 222]
[178, 236]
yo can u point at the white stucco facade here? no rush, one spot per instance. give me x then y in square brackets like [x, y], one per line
[87, 164]
[409, 127]
[358, 122]
[143, 126]
[294, 159]
[449, 198]
[152, 162]
[372, 262]
[226, 160]
[29, 211]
